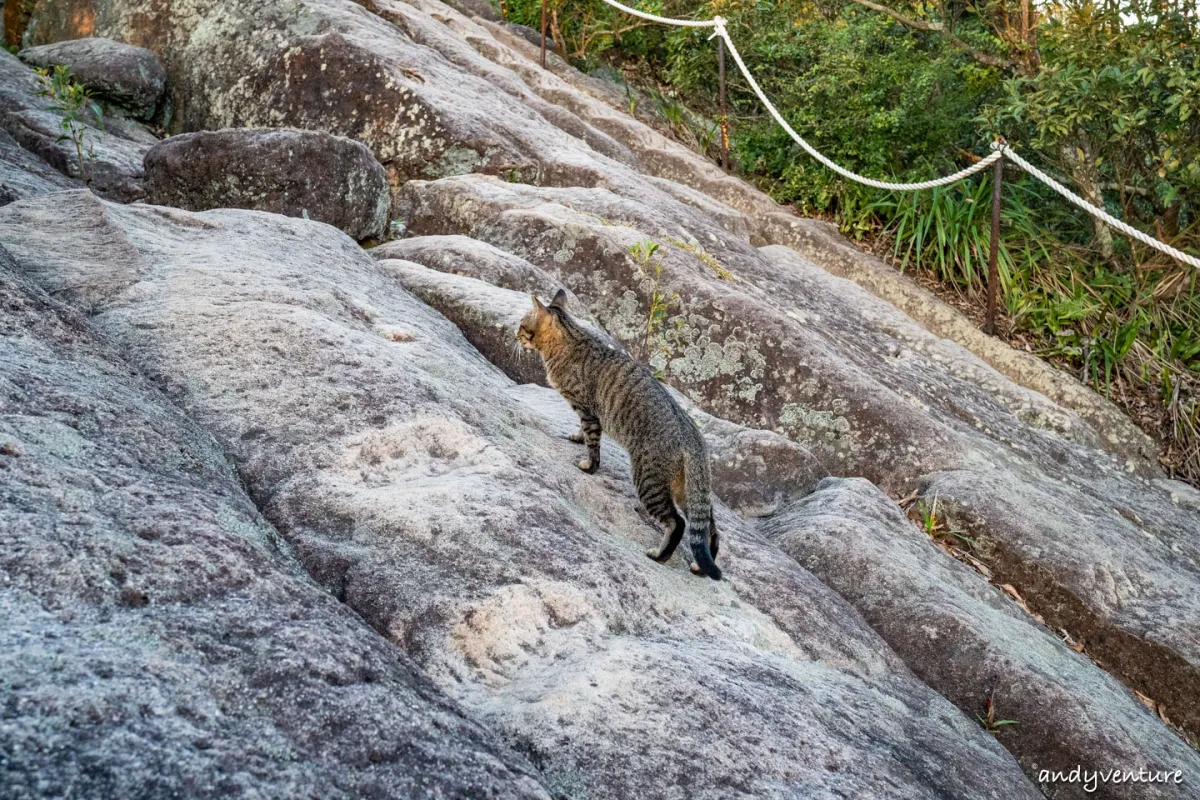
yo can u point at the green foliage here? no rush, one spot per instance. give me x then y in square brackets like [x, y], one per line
[1116, 103]
[74, 102]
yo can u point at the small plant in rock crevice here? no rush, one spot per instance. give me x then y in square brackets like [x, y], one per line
[936, 527]
[649, 270]
[988, 718]
[73, 101]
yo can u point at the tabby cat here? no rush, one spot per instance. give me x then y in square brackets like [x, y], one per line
[615, 394]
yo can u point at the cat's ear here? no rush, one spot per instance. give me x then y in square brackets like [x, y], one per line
[560, 300]
[537, 304]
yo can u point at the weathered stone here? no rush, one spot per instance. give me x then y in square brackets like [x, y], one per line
[436, 112]
[327, 178]
[755, 472]
[425, 117]
[22, 174]
[959, 634]
[471, 258]
[527, 33]
[782, 345]
[112, 165]
[112, 157]
[122, 74]
[487, 315]
[156, 638]
[443, 505]
[16, 15]
[966, 639]
[911, 407]
[821, 243]
[735, 203]
[20, 87]
[477, 8]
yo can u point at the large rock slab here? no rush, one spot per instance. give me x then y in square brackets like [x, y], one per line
[884, 400]
[447, 94]
[962, 636]
[282, 170]
[765, 338]
[156, 637]
[602, 105]
[442, 505]
[121, 74]
[969, 641]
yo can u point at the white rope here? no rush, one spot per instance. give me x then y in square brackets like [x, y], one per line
[680, 23]
[1100, 213]
[812, 151]
[999, 149]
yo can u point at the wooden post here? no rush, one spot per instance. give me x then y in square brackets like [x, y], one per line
[543, 34]
[993, 279]
[724, 111]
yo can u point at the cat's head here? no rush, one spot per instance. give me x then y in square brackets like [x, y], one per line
[541, 327]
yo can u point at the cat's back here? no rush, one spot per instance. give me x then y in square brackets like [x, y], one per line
[634, 407]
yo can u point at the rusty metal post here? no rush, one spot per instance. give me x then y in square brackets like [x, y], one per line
[724, 110]
[993, 279]
[543, 34]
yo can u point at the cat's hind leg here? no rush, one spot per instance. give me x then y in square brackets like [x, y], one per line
[655, 495]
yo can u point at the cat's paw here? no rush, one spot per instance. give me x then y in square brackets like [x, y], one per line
[576, 437]
[587, 465]
[657, 556]
[695, 568]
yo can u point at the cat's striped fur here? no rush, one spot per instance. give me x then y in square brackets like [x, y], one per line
[616, 395]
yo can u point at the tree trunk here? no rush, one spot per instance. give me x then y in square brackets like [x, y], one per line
[1080, 164]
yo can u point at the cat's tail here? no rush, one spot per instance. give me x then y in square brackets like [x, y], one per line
[697, 483]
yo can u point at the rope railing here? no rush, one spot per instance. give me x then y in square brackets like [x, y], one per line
[1000, 150]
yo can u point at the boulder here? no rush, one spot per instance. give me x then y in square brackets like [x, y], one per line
[332, 65]
[121, 74]
[112, 165]
[112, 155]
[441, 504]
[157, 638]
[298, 173]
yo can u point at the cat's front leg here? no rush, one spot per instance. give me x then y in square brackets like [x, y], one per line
[589, 427]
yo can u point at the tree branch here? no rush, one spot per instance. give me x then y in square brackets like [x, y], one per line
[908, 22]
[937, 27]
